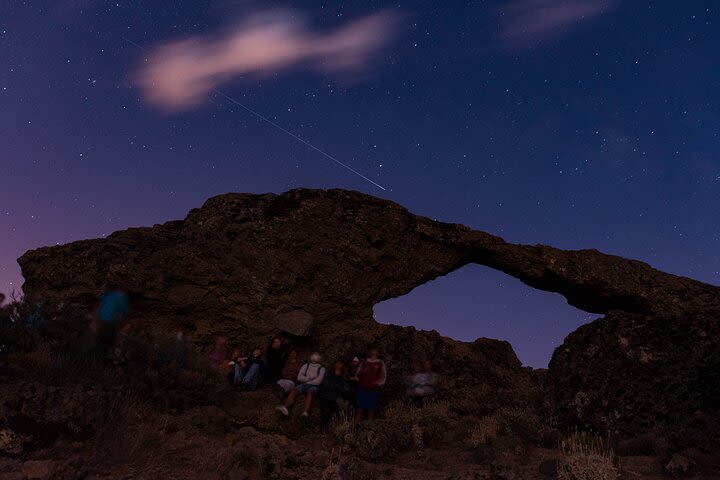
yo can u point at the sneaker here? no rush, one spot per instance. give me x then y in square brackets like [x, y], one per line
[283, 409]
[304, 414]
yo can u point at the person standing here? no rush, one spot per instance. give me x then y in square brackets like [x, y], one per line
[111, 313]
[275, 358]
[422, 384]
[371, 378]
[333, 387]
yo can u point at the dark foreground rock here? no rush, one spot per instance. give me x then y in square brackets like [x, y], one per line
[314, 263]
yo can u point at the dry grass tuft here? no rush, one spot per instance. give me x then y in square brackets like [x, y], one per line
[402, 412]
[424, 424]
[484, 431]
[417, 433]
[333, 471]
[586, 457]
[435, 420]
[268, 419]
[227, 457]
[343, 428]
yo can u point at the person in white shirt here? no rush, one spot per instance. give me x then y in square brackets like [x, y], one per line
[309, 379]
[422, 384]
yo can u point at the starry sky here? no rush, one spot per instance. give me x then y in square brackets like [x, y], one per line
[575, 123]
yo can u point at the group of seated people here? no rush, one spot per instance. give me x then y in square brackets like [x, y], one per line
[359, 385]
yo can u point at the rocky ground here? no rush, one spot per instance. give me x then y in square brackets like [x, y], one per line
[166, 413]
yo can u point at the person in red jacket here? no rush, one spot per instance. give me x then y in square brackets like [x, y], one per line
[371, 377]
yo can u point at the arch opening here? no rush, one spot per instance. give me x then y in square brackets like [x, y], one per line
[477, 301]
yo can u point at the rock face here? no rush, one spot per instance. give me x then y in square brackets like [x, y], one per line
[314, 262]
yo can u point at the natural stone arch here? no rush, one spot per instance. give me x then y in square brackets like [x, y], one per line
[329, 253]
[241, 260]
[475, 301]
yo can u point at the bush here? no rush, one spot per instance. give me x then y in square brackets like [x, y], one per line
[586, 457]
[343, 428]
[520, 421]
[434, 420]
[484, 431]
[376, 439]
[431, 420]
[402, 413]
[268, 419]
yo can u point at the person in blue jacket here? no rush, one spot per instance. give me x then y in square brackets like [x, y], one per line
[111, 313]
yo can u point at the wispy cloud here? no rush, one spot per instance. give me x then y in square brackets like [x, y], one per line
[180, 74]
[531, 22]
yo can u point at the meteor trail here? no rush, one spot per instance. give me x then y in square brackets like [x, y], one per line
[284, 130]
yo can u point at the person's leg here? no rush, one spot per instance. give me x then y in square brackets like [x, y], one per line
[308, 399]
[106, 335]
[334, 410]
[292, 397]
[238, 375]
[251, 376]
[372, 406]
[324, 413]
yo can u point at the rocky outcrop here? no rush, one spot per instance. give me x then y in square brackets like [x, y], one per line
[314, 262]
[631, 374]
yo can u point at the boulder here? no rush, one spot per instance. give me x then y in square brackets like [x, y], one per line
[294, 322]
[628, 375]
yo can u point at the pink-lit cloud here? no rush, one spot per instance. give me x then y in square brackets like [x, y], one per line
[530, 22]
[180, 74]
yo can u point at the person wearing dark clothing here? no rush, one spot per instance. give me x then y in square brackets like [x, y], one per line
[353, 380]
[333, 387]
[110, 315]
[290, 372]
[247, 370]
[4, 315]
[275, 358]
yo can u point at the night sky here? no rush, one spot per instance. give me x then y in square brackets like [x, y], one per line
[574, 123]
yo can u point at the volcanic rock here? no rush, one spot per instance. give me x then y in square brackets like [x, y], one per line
[313, 263]
[38, 469]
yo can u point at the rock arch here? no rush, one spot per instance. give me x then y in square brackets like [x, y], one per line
[326, 257]
[477, 301]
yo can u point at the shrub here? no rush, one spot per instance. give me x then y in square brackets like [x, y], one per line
[375, 439]
[431, 419]
[227, 457]
[434, 420]
[331, 472]
[402, 413]
[519, 421]
[484, 431]
[343, 428]
[417, 434]
[268, 419]
[586, 457]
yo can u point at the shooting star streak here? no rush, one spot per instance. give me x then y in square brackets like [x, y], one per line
[284, 130]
